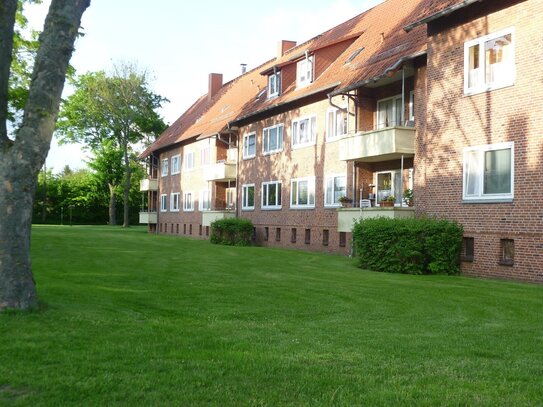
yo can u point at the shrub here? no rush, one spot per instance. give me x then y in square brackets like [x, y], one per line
[232, 232]
[410, 246]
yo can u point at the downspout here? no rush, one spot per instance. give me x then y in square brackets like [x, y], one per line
[402, 117]
[237, 171]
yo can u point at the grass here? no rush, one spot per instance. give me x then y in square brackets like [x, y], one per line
[134, 319]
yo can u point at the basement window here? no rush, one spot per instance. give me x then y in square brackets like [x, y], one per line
[508, 252]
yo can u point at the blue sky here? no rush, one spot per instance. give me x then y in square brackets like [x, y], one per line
[180, 42]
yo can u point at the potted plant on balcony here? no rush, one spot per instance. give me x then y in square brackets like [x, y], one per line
[408, 197]
[388, 201]
[345, 201]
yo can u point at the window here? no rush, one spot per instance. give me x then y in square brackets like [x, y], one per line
[389, 112]
[308, 236]
[271, 195]
[277, 234]
[342, 239]
[248, 197]
[200, 230]
[176, 164]
[489, 62]
[468, 249]
[272, 139]
[205, 154]
[304, 71]
[325, 237]
[204, 203]
[230, 198]
[163, 202]
[189, 160]
[412, 106]
[508, 252]
[174, 202]
[489, 172]
[188, 201]
[266, 233]
[249, 145]
[293, 235]
[304, 131]
[302, 193]
[164, 167]
[335, 188]
[274, 84]
[336, 123]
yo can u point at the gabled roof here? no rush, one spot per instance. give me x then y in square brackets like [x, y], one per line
[436, 9]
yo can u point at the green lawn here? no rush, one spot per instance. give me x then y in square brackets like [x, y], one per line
[139, 320]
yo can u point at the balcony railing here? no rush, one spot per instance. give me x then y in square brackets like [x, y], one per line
[210, 216]
[220, 172]
[148, 185]
[348, 216]
[378, 145]
[148, 217]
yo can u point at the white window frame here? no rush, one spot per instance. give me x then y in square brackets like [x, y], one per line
[295, 200]
[312, 120]
[163, 203]
[246, 154]
[412, 106]
[188, 201]
[164, 167]
[230, 198]
[189, 161]
[305, 71]
[274, 84]
[264, 193]
[205, 156]
[480, 196]
[482, 85]
[266, 139]
[332, 177]
[332, 127]
[395, 99]
[176, 164]
[203, 203]
[244, 197]
[174, 201]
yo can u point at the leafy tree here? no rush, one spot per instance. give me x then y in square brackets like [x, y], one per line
[23, 155]
[116, 107]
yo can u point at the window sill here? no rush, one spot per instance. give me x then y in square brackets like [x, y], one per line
[247, 209]
[272, 208]
[300, 146]
[487, 201]
[467, 259]
[251, 157]
[489, 88]
[508, 263]
[302, 207]
[265, 153]
[188, 210]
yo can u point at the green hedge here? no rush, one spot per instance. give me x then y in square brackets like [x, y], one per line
[409, 246]
[232, 232]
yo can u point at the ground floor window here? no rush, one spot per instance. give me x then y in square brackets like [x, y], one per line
[325, 237]
[468, 249]
[277, 234]
[248, 197]
[308, 236]
[342, 239]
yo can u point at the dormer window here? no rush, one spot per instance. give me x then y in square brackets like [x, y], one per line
[274, 84]
[304, 71]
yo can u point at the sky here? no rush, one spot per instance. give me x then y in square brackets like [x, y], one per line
[181, 42]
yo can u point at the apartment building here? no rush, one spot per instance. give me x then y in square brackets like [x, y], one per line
[412, 95]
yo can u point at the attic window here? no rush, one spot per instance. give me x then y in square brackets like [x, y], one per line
[304, 71]
[274, 84]
[354, 55]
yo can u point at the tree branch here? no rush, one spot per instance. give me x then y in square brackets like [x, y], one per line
[8, 9]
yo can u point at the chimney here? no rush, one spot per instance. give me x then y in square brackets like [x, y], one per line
[284, 46]
[215, 84]
[243, 68]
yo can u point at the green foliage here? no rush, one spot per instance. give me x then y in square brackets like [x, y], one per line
[232, 232]
[409, 246]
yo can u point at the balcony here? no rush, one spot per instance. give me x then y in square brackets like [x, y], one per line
[220, 172]
[148, 185]
[210, 216]
[378, 145]
[148, 217]
[348, 216]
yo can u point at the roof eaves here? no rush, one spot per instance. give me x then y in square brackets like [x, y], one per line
[442, 13]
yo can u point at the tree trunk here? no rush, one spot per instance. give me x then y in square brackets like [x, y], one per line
[112, 205]
[126, 194]
[22, 159]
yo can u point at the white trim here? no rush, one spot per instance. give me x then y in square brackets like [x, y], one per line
[335, 111]
[163, 203]
[164, 167]
[265, 187]
[301, 70]
[394, 122]
[482, 85]
[479, 163]
[325, 186]
[412, 106]
[277, 76]
[310, 193]
[174, 198]
[175, 169]
[201, 200]
[189, 161]
[205, 156]
[188, 204]
[245, 188]
[312, 121]
[246, 155]
[281, 138]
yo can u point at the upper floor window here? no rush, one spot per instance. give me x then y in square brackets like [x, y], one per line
[272, 139]
[248, 196]
[189, 160]
[174, 202]
[271, 195]
[335, 188]
[304, 71]
[164, 167]
[489, 62]
[188, 201]
[304, 131]
[336, 123]
[389, 112]
[302, 193]
[176, 164]
[274, 84]
[489, 172]
[249, 145]
[205, 154]
[163, 202]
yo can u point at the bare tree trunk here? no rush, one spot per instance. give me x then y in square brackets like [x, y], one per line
[112, 205]
[126, 192]
[22, 159]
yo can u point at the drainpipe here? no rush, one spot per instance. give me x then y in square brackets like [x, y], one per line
[402, 118]
[237, 170]
[401, 183]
